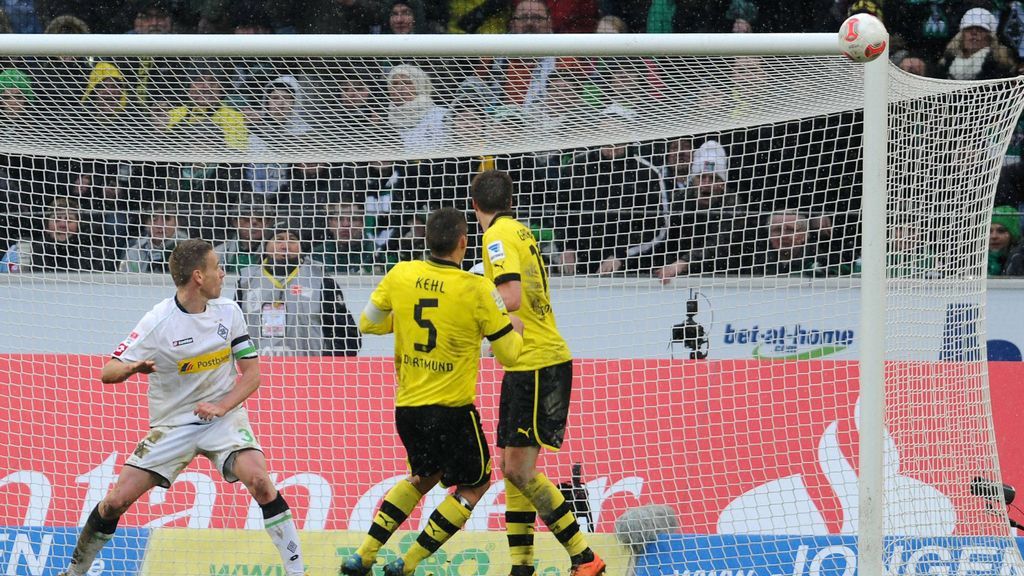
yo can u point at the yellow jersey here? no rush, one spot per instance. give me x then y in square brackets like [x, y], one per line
[511, 253]
[439, 314]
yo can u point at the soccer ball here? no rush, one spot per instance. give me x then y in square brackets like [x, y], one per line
[862, 38]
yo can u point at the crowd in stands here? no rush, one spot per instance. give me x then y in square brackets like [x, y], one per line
[732, 202]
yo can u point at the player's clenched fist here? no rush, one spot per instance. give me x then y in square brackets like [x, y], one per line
[143, 367]
[208, 411]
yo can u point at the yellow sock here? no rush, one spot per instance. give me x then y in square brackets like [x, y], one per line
[396, 507]
[519, 520]
[556, 513]
[450, 516]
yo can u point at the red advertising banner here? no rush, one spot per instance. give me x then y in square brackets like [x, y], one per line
[721, 441]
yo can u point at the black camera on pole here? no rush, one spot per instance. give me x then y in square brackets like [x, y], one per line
[995, 492]
[691, 334]
[992, 490]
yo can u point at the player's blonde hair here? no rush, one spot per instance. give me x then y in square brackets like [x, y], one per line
[187, 257]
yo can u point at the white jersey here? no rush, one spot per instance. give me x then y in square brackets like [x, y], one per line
[193, 355]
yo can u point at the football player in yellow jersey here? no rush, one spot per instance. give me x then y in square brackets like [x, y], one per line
[439, 314]
[535, 389]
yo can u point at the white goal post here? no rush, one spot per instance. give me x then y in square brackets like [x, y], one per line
[863, 410]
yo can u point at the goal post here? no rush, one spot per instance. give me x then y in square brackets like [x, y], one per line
[768, 262]
[872, 500]
[357, 45]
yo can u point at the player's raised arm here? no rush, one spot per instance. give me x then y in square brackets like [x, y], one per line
[116, 371]
[133, 355]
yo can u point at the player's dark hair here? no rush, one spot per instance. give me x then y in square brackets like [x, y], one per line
[187, 257]
[541, 2]
[492, 191]
[444, 228]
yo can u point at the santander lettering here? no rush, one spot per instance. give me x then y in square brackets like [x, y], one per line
[195, 494]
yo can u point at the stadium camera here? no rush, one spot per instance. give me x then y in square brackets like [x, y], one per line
[575, 494]
[691, 334]
[995, 492]
[992, 490]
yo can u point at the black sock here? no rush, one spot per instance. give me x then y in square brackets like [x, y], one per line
[99, 523]
[274, 507]
[583, 557]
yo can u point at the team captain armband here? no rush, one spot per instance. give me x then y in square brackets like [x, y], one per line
[243, 348]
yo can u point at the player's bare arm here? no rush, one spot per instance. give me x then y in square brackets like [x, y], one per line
[245, 385]
[116, 371]
[511, 292]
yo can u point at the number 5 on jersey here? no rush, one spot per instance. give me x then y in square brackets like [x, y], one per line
[417, 315]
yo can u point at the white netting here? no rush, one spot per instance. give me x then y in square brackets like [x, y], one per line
[338, 101]
[700, 221]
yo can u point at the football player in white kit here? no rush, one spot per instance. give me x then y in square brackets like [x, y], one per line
[190, 345]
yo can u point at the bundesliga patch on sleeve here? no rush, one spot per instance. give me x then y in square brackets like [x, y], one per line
[495, 251]
[125, 344]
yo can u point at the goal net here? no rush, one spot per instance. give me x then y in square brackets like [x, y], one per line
[699, 219]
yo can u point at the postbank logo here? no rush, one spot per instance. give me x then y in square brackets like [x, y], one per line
[204, 362]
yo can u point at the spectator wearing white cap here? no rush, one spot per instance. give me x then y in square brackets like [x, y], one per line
[704, 213]
[975, 53]
[709, 174]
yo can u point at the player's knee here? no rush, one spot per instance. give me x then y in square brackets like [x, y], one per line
[261, 488]
[470, 495]
[477, 492]
[519, 476]
[424, 483]
[418, 483]
[114, 506]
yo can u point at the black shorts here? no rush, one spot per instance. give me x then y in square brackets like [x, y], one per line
[446, 440]
[534, 407]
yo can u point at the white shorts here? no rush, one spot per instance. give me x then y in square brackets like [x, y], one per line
[167, 450]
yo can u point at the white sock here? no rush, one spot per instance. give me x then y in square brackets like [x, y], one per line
[284, 535]
[93, 537]
[89, 545]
